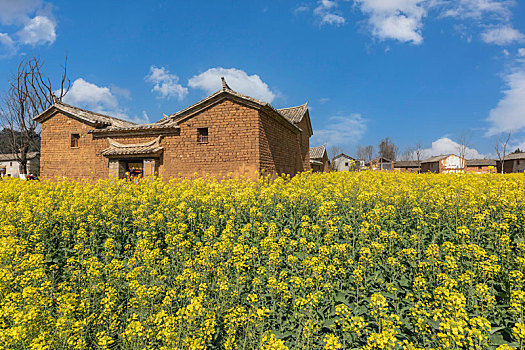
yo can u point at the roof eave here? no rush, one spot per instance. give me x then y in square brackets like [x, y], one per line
[54, 109]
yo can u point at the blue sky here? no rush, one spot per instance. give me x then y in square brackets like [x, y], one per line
[424, 71]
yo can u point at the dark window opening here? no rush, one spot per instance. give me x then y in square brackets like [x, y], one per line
[74, 140]
[202, 135]
[346, 164]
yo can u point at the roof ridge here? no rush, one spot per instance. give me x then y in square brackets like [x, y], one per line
[304, 104]
[58, 102]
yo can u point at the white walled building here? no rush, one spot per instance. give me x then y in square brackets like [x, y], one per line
[343, 162]
[9, 166]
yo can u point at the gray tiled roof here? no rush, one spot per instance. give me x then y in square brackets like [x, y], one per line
[345, 156]
[118, 149]
[513, 156]
[436, 158]
[294, 114]
[481, 162]
[406, 164]
[317, 152]
[150, 126]
[83, 114]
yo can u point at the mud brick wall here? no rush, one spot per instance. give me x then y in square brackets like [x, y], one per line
[279, 146]
[232, 143]
[59, 159]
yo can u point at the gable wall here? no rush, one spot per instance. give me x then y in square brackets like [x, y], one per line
[304, 143]
[57, 158]
[232, 146]
[451, 164]
[279, 147]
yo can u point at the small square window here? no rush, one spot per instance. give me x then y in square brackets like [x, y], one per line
[346, 164]
[74, 140]
[202, 135]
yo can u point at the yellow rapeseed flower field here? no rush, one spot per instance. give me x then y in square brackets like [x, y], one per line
[321, 261]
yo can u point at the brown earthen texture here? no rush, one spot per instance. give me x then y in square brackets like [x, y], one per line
[242, 141]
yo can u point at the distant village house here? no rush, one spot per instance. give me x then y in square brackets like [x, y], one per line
[407, 166]
[9, 166]
[481, 166]
[343, 162]
[380, 163]
[449, 163]
[512, 163]
[319, 161]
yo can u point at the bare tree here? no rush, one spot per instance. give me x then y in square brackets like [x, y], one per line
[365, 153]
[501, 149]
[463, 144]
[408, 154]
[418, 154]
[335, 150]
[387, 149]
[30, 93]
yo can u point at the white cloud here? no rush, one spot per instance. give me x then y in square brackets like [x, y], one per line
[39, 30]
[17, 11]
[509, 114]
[33, 20]
[301, 9]
[7, 45]
[521, 52]
[98, 99]
[327, 12]
[445, 145]
[340, 131]
[476, 9]
[165, 83]
[90, 95]
[503, 35]
[238, 80]
[401, 20]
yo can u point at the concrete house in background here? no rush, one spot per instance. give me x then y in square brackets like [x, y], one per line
[449, 163]
[319, 161]
[9, 166]
[512, 163]
[226, 132]
[343, 162]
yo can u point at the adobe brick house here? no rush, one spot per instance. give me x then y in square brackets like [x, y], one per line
[407, 166]
[380, 163]
[448, 163]
[481, 166]
[319, 161]
[225, 133]
[512, 163]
